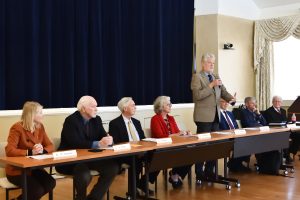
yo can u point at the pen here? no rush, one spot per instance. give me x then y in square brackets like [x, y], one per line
[107, 134]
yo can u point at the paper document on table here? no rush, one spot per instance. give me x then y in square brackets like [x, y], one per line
[277, 124]
[252, 128]
[149, 139]
[41, 157]
[159, 140]
[107, 148]
[223, 132]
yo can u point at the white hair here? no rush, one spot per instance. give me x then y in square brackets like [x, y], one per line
[124, 103]
[85, 101]
[207, 56]
[276, 97]
[159, 103]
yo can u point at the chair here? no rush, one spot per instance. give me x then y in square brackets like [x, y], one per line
[4, 182]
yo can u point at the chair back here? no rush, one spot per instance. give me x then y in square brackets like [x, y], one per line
[56, 142]
[2, 152]
[147, 132]
[2, 149]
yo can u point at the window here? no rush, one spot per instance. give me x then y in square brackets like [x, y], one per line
[287, 68]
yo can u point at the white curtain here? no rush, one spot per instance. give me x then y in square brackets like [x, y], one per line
[266, 32]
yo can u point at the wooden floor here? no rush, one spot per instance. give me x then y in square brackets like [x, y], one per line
[253, 186]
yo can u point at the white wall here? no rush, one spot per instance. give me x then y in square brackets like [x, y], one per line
[245, 9]
[237, 8]
[280, 11]
[54, 118]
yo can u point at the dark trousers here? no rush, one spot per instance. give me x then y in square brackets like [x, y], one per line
[295, 144]
[236, 163]
[138, 168]
[107, 169]
[39, 183]
[207, 170]
[181, 171]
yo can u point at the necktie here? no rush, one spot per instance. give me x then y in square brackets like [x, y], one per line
[228, 120]
[132, 133]
[210, 78]
[87, 128]
[278, 110]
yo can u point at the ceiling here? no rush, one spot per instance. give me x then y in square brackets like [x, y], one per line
[272, 3]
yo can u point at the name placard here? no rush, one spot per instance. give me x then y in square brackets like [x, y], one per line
[290, 125]
[203, 136]
[64, 154]
[122, 147]
[164, 140]
[240, 131]
[264, 128]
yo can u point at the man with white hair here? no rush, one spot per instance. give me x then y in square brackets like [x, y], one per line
[207, 88]
[125, 128]
[251, 117]
[276, 114]
[83, 130]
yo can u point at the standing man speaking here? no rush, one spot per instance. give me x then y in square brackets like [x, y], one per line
[207, 90]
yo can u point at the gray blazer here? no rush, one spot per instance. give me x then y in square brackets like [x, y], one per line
[207, 99]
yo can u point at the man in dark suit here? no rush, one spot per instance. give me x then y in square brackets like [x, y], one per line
[275, 114]
[268, 162]
[250, 116]
[207, 89]
[83, 130]
[125, 128]
[228, 122]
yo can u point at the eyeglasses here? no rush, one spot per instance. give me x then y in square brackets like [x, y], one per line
[169, 104]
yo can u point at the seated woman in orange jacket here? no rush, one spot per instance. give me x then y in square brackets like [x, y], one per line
[28, 137]
[163, 125]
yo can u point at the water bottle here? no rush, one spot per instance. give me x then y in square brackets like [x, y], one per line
[293, 118]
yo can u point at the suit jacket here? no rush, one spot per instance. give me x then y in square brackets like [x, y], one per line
[272, 116]
[75, 135]
[251, 119]
[207, 99]
[159, 127]
[20, 140]
[223, 125]
[117, 129]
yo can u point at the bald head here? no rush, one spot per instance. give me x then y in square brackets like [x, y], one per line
[87, 106]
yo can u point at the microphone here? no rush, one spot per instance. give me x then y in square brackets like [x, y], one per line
[216, 77]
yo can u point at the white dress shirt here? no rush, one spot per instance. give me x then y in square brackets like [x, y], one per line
[126, 120]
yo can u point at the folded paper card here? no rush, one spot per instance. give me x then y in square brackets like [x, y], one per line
[64, 154]
[122, 147]
[203, 136]
[167, 140]
[264, 128]
[239, 131]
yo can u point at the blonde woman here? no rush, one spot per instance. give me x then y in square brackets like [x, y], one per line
[163, 125]
[28, 137]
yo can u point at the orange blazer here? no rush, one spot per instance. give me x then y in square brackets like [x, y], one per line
[20, 140]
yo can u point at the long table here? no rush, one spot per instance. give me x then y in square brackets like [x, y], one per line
[83, 155]
[261, 141]
[182, 151]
